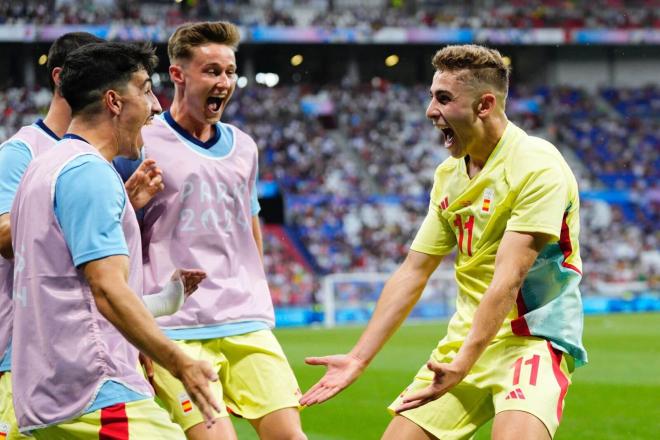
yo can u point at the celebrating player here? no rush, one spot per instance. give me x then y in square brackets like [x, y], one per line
[207, 217]
[15, 155]
[78, 268]
[508, 203]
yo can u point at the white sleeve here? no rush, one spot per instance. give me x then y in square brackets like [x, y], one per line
[166, 302]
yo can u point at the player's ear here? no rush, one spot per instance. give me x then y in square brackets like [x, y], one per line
[176, 73]
[112, 101]
[55, 75]
[486, 104]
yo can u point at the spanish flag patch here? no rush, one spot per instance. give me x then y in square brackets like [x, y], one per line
[186, 403]
[488, 199]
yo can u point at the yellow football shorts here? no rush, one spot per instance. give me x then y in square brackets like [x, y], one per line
[8, 424]
[517, 373]
[255, 378]
[138, 420]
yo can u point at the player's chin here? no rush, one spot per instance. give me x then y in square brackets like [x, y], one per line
[456, 151]
[212, 117]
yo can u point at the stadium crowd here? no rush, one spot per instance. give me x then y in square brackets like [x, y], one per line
[357, 194]
[566, 14]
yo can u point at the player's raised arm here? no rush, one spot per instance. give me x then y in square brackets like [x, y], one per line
[107, 278]
[400, 294]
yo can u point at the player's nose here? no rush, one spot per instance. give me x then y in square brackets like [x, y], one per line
[432, 111]
[155, 105]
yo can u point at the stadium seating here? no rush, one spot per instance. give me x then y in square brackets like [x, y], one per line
[610, 14]
[356, 194]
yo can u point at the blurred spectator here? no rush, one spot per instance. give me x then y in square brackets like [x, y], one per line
[357, 194]
[567, 14]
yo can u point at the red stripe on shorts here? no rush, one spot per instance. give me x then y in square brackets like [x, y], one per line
[114, 423]
[561, 378]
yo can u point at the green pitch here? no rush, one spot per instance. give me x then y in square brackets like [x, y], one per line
[616, 396]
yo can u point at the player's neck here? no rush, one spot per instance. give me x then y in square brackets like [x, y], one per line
[201, 130]
[58, 117]
[100, 134]
[488, 138]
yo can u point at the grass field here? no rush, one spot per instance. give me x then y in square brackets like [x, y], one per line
[616, 396]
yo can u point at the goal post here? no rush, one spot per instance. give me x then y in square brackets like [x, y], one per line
[350, 297]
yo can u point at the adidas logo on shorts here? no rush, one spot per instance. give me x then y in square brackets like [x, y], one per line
[516, 394]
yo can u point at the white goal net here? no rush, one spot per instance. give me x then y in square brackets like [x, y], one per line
[350, 298]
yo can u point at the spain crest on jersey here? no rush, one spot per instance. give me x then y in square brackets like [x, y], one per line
[488, 200]
[4, 430]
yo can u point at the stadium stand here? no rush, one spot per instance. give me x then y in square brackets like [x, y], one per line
[565, 14]
[357, 194]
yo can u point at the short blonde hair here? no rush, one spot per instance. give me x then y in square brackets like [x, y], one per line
[484, 65]
[190, 35]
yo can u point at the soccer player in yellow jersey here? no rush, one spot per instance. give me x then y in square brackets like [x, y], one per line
[508, 203]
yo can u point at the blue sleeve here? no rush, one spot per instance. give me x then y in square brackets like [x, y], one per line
[15, 156]
[89, 205]
[255, 207]
[126, 167]
[254, 199]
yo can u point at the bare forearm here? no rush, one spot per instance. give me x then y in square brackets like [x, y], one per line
[515, 257]
[6, 249]
[400, 294]
[488, 318]
[119, 305]
[258, 236]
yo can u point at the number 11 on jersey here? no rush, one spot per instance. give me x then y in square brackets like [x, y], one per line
[469, 225]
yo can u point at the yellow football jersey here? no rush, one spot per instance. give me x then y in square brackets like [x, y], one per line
[525, 186]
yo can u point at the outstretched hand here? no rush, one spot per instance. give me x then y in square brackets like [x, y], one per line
[144, 184]
[342, 371]
[445, 377]
[190, 279]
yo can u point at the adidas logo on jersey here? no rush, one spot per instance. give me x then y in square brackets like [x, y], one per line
[444, 203]
[516, 394]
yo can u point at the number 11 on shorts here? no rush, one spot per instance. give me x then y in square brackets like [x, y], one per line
[534, 373]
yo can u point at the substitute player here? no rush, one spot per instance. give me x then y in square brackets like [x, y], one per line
[78, 268]
[508, 203]
[207, 217]
[15, 155]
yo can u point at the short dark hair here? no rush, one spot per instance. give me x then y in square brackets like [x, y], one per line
[63, 46]
[91, 70]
